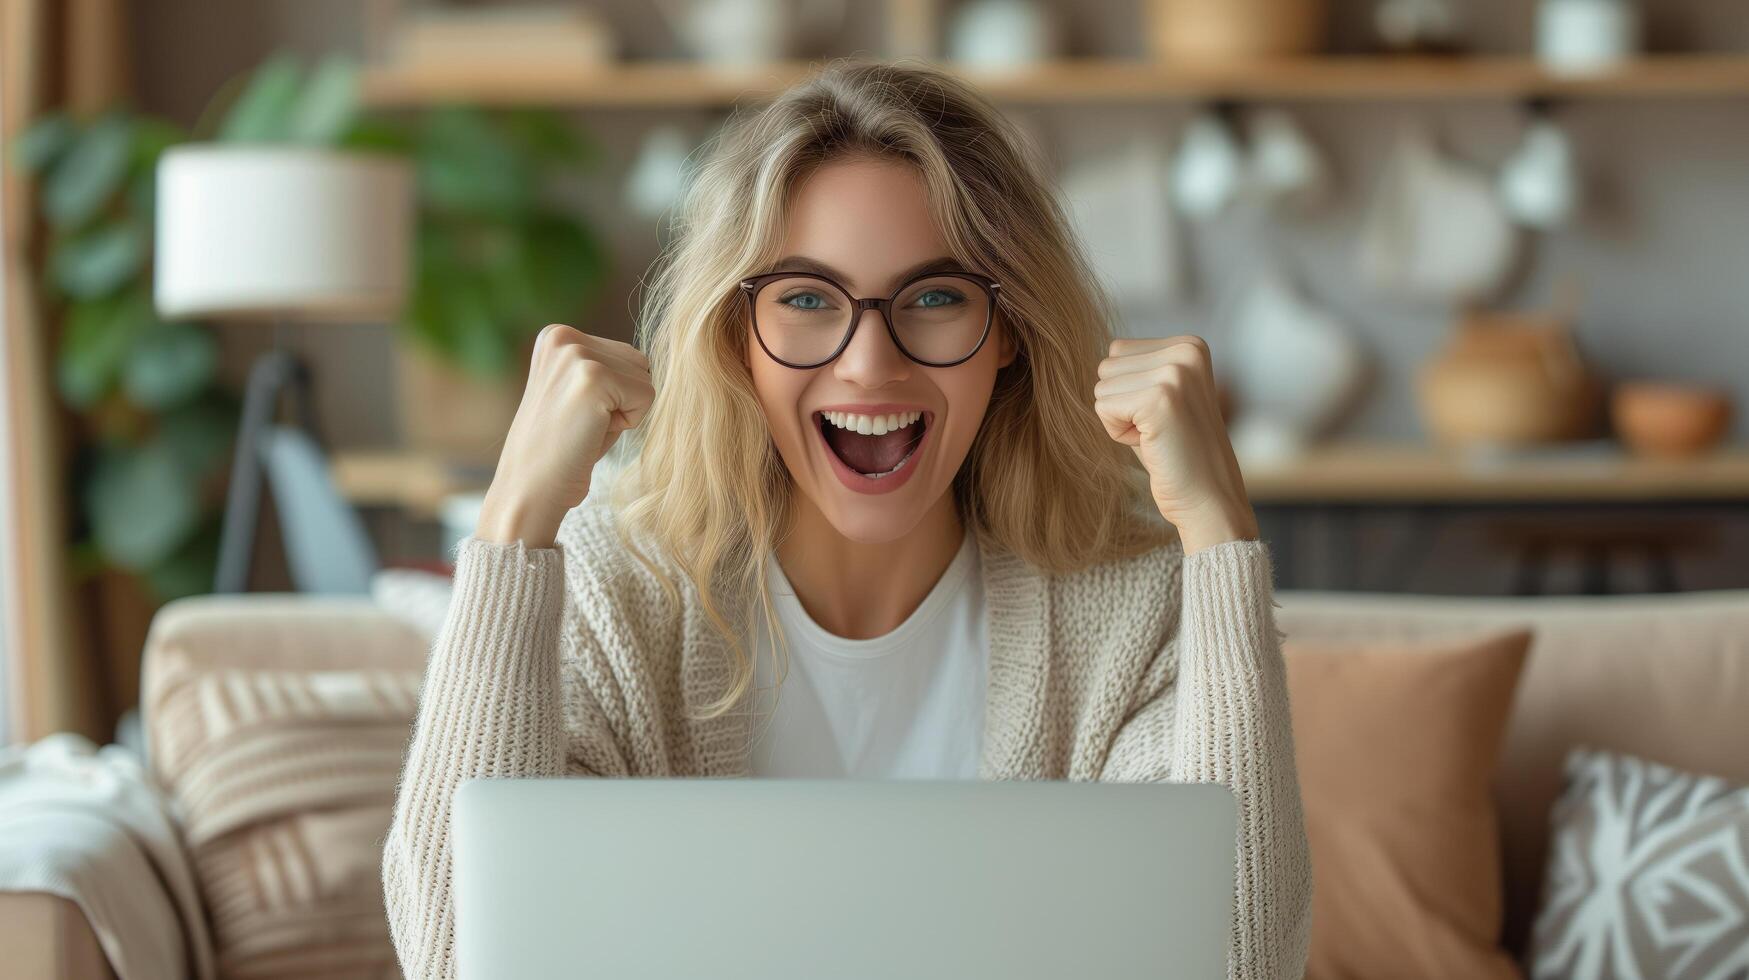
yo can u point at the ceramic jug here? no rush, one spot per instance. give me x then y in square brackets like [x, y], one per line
[745, 33]
[1507, 380]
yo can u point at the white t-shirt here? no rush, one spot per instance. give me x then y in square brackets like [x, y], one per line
[906, 705]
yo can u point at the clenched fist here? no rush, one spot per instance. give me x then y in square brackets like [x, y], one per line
[1158, 397]
[582, 392]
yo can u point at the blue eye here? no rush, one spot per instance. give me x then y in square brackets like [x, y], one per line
[948, 295]
[812, 297]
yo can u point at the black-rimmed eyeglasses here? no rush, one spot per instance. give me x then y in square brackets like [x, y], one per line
[804, 320]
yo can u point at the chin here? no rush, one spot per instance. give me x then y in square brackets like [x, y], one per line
[873, 520]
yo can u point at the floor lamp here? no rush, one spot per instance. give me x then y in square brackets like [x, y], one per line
[277, 235]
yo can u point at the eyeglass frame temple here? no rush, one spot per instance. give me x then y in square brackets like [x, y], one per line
[751, 285]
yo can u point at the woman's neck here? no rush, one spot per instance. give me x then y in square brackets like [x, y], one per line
[860, 590]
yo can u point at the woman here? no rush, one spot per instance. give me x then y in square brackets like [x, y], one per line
[886, 466]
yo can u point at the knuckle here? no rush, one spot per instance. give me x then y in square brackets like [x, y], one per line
[554, 333]
[1196, 347]
[590, 371]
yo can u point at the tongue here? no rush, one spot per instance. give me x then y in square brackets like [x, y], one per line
[872, 454]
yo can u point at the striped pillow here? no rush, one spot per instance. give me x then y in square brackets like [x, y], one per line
[281, 765]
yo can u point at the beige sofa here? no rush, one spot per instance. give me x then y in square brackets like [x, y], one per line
[1666, 677]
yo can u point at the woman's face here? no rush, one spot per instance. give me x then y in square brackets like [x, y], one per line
[868, 221]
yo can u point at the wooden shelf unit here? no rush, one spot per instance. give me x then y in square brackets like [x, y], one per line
[681, 84]
[1364, 472]
[1345, 472]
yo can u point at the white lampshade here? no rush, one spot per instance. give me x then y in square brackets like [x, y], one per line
[282, 231]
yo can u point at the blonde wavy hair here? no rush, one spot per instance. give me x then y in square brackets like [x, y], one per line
[705, 483]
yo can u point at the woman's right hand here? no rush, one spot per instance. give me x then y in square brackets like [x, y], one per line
[582, 392]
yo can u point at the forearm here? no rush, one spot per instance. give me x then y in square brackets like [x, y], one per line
[1231, 725]
[489, 707]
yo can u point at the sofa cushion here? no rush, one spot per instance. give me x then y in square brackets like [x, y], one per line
[1676, 666]
[277, 726]
[1648, 874]
[1397, 746]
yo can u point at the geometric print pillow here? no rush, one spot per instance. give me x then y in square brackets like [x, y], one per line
[1648, 875]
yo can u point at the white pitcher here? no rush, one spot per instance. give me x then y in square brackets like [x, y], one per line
[745, 33]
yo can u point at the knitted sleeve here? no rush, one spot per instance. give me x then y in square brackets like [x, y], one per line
[490, 705]
[1224, 718]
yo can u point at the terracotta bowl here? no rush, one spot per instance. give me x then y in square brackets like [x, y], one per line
[1659, 419]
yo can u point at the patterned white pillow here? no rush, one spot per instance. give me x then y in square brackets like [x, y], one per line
[1648, 875]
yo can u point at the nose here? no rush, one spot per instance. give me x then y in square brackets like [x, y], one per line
[872, 359]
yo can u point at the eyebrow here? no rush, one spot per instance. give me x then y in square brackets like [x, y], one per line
[801, 263]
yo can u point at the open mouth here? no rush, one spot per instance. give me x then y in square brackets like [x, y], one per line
[873, 446]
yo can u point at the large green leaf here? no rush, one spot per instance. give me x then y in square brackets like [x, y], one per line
[478, 329]
[327, 104]
[550, 138]
[100, 261]
[568, 265]
[169, 364]
[465, 164]
[152, 138]
[200, 432]
[264, 109]
[378, 136]
[98, 337]
[141, 503]
[40, 145]
[191, 569]
[89, 171]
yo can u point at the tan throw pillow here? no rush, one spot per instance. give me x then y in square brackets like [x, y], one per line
[281, 763]
[1396, 745]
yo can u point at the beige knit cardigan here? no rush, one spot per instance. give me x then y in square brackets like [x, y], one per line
[568, 661]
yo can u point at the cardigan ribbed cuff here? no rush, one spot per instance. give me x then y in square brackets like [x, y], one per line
[501, 584]
[1228, 656]
[1228, 590]
[498, 657]
[1233, 727]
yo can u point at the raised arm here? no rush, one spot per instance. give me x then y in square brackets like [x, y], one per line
[501, 698]
[1231, 725]
[1216, 711]
[489, 706]
[1224, 716]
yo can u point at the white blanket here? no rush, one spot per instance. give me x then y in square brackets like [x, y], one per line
[87, 824]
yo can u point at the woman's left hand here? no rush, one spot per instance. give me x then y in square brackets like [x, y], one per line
[1157, 396]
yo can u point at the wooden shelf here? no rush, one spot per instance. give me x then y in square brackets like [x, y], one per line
[408, 480]
[1381, 473]
[1340, 473]
[689, 84]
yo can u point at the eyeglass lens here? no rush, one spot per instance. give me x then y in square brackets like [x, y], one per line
[938, 320]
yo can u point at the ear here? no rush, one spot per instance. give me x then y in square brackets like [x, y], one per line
[1005, 345]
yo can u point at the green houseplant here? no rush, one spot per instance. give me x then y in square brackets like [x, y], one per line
[156, 425]
[499, 255]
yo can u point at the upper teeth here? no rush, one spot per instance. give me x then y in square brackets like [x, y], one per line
[872, 425]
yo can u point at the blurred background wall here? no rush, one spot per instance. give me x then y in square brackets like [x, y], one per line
[1656, 256]
[1650, 271]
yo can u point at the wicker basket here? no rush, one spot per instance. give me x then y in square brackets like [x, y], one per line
[1234, 30]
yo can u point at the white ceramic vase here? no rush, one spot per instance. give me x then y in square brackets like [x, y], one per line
[1294, 367]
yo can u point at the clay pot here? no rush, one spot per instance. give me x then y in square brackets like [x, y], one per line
[1508, 379]
[1234, 30]
[1660, 419]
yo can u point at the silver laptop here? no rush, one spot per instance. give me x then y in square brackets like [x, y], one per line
[791, 879]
